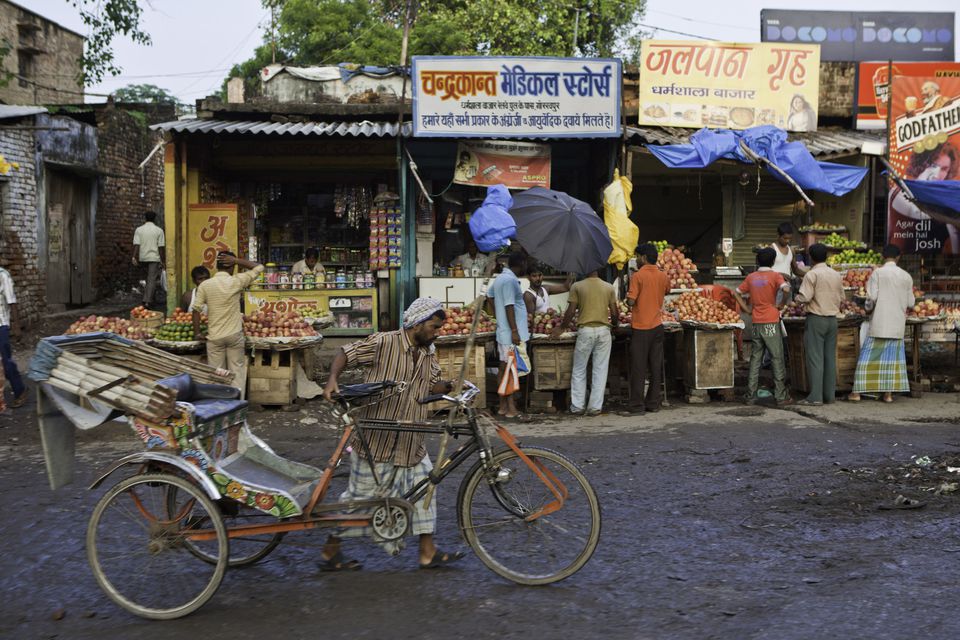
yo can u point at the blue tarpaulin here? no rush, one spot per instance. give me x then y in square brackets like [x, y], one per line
[491, 224]
[707, 146]
[940, 193]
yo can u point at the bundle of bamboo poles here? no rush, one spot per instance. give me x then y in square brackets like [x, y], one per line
[112, 385]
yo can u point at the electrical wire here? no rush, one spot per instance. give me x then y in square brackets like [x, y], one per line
[694, 20]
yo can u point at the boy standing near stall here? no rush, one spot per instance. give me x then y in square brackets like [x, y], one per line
[762, 288]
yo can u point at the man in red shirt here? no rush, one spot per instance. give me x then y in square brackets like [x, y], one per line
[762, 287]
[648, 286]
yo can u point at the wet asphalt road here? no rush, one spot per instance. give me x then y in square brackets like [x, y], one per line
[746, 530]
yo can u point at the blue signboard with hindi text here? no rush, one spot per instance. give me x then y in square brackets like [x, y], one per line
[516, 97]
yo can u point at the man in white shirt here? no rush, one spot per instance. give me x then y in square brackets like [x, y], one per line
[309, 265]
[149, 248]
[473, 258]
[10, 324]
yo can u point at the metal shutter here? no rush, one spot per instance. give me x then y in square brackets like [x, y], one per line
[774, 205]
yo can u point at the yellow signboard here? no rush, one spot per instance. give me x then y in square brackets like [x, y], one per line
[211, 228]
[728, 85]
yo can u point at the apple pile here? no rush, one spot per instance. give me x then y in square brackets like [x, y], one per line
[119, 326]
[917, 293]
[925, 309]
[666, 317]
[857, 279]
[850, 308]
[794, 310]
[179, 315]
[269, 324]
[693, 306]
[545, 322]
[625, 316]
[459, 320]
[142, 313]
[678, 268]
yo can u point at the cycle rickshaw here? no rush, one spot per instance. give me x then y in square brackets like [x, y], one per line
[207, 494]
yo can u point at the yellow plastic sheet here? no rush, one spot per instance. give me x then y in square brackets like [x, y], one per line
[617, 206]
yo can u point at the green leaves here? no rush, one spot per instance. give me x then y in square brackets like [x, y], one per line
[105, 20]
[146, 93]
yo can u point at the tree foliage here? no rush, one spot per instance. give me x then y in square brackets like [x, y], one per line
[105, 20]
[144, 93]
[318, 32]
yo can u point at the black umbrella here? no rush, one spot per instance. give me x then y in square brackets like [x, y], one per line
[560, 230]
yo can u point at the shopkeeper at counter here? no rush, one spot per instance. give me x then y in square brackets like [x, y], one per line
[309, 265]
[473, 258]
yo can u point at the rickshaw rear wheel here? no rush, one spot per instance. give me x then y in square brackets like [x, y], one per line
[245, 550]
[136, 546]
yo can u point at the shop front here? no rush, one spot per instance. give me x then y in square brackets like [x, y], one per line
[317, 204]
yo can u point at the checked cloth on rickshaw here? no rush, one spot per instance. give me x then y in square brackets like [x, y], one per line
[882, 367]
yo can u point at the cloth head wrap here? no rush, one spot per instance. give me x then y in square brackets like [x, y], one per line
[419, 311]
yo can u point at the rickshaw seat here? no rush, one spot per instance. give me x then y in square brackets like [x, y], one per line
[210, 401]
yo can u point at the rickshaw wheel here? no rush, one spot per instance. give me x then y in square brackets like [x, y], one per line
[136, 546]
[245, 550]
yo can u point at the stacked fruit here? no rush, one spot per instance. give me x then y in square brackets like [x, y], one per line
[850, 308]
[459, 320]
[179, 315]
[661, 245]
[857, 279]
[925, 309]
[678, 268]
[625, 316]
[178, 332]
[837, 241]
[119, 326]
[142, 313]
[917, 293]
[794, 310]
[545, 322]
[693, 306]
[667, 317]
[849, 256]
[268, 324]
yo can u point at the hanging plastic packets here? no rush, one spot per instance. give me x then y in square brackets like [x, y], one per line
[616, 214]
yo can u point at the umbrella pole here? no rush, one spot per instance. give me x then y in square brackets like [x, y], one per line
[763, 162]
[458, 388]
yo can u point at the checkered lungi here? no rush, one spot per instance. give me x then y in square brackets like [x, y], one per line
[363, 487]
[882, 367]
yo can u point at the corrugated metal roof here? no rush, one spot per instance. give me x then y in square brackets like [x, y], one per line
[365, 129]
[19, 111]
[825, 142]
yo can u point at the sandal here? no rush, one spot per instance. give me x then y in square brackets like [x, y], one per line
[442, 559]
[517, 418]
[853, 397]
[339, 563]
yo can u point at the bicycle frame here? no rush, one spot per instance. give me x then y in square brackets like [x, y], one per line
[477, 443]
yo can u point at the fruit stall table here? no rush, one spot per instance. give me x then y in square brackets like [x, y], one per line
[275, 375]
[848, 350]
[708, 355]
[354, 312]
[915, 325]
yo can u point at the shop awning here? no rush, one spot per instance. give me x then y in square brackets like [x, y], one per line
[823, 144]
[365, 129]
[19, 111]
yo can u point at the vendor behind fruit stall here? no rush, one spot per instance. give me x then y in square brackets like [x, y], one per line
[198, 275]
[309, 265]
[537, 295]
[474, 262]
[786, 263]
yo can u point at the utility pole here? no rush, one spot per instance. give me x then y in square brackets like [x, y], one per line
[273, 32]
[576, 30]
[407, 19]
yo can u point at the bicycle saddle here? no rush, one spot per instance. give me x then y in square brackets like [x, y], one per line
[365, 390]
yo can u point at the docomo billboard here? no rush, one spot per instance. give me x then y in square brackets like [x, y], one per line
[729, 85]
[508, 97]
[924, 145]
[873, 86]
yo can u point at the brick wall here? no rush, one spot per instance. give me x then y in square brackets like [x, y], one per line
[837, 89]
[124, 141]
[18, 218]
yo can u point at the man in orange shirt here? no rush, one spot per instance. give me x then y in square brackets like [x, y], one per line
[648, 286]
[762, 287]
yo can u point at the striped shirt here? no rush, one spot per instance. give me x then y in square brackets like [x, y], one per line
[7, 297]
[393, 356]
[221, 294]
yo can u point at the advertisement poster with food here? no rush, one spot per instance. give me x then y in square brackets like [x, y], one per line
[924, 145]
[517, 165]
[873, 86]
[729, 85]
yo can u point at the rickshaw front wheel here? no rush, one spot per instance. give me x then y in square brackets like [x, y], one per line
[137, 546]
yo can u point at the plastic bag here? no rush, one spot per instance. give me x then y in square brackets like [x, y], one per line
[617, 205]
[491, 225]
[510, 383]
[523, 360]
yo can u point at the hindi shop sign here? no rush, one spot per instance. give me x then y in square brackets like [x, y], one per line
[508, 97]
[729, 85]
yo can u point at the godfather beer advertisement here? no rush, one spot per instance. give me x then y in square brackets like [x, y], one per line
[924, 145]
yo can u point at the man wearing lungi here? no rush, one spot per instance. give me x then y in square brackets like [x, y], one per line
[882, 365]
[406, 355]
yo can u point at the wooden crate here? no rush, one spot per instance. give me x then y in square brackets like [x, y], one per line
[709, 358]
[552, 366]
[848, 350]
[152, 323]
[450, 358]
[272, 377]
